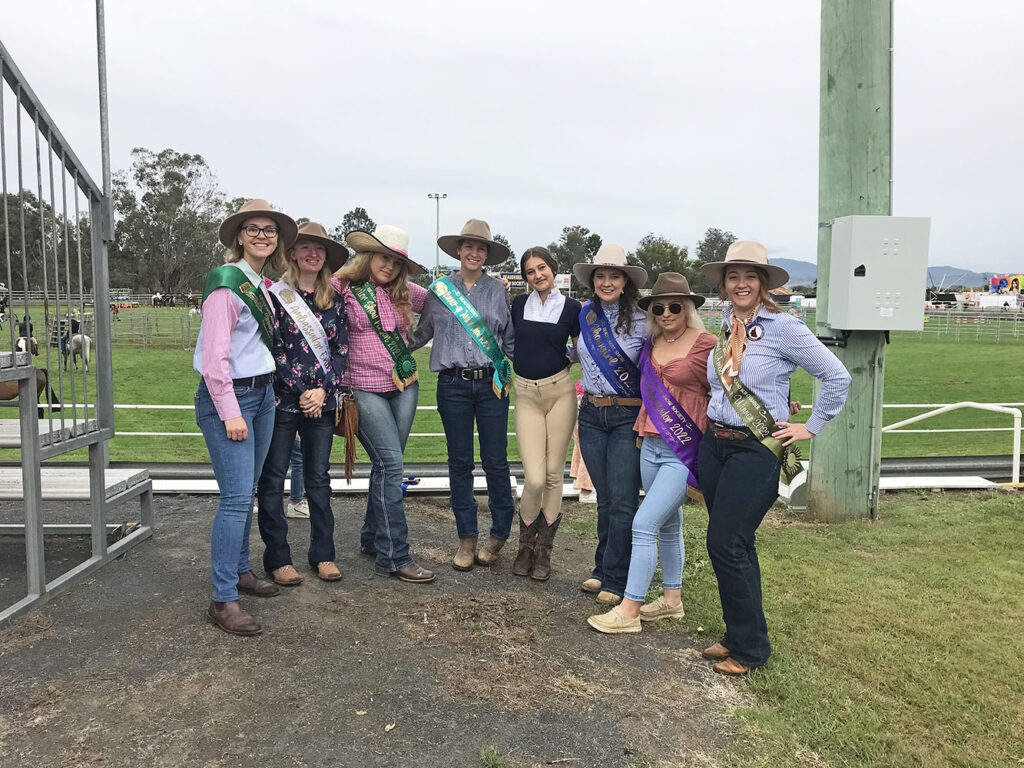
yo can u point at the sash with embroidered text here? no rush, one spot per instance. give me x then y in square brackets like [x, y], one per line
[306, 322]
[673, 423]
[468, 316]
[232, 277]
[614, 364]
[404, 373]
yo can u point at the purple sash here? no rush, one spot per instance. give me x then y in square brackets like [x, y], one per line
[673, 423]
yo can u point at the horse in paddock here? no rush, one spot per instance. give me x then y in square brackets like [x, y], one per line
[74, 347]
[26, 344]
[9, 391]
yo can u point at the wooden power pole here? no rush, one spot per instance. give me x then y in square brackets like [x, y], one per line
[854, 177]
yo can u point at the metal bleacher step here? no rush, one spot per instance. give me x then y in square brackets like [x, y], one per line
[70, 483]
[10, 431]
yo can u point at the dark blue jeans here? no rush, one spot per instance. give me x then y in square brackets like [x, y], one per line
[740, 480]
[316, 438]
[385, 420]
[236, 465]
[460, 403]
[608, 446]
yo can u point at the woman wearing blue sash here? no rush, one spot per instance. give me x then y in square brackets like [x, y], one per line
[674, 389]
[234, 403]
[748, 440]
[611, 336]
[467, 315]
[310, 356]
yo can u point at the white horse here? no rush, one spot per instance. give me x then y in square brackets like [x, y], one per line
[23, 344]
[194, 312]
[80, 346]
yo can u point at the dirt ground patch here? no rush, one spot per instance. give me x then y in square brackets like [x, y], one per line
[123, 670]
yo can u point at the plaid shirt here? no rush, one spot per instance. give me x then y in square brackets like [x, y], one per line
[369, 364]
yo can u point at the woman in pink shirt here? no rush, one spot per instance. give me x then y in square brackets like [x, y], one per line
[234, 403]
[380, 302]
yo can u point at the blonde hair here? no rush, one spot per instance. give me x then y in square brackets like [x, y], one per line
[323, 290]
[357, 269]
[762, 279]
[690, 316]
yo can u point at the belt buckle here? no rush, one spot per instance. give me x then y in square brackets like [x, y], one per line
[466, 374]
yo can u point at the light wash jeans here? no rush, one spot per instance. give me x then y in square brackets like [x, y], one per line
[659, 521]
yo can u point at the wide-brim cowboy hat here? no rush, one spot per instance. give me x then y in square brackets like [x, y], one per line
[750, 253]
[337, 253]
[287, 227]
[475, 229]
[386, 239]
[670, 284]
[610, 255]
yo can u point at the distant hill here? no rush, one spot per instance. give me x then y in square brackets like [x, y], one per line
[805, 273]
[800, 272]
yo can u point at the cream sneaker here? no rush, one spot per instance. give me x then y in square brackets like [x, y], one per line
[614, 622]
[659, 609]
[298, 510]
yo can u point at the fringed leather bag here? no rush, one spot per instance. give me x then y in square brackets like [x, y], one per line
[346, 425]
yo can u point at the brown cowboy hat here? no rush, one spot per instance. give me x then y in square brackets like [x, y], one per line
[475, 229]
[386, 239]
[750, 253]
[337, 254]
[257, 207]
[610, 255]
[670, 284]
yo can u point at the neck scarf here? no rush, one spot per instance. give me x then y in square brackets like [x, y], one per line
[737, 345]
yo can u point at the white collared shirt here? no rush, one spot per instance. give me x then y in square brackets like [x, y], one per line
[548, 311]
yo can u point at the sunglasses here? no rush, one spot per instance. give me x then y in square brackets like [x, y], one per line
[673, 309]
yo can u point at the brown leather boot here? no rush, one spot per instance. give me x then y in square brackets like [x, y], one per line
[489, 552]
[463, 560]
[527, 540]
[545, 538]
[231, 617]
[251, 585]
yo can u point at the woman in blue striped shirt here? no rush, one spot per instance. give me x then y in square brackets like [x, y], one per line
[749, 439]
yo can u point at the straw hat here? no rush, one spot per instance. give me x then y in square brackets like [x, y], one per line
[670, 284]
[610, 255]
[386, 239]
[474, 229]
[251, 209]
[337, 254]
[750, 253]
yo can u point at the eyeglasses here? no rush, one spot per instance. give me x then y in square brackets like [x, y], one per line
[673, 309]
[253, 231]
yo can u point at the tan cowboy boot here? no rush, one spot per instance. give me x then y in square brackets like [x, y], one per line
[463, 560]
[489, 552]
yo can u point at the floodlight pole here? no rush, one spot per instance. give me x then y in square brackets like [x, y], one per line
[437, 197]
[854, 177]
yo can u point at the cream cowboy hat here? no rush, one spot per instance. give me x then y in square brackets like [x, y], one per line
[386, 239]
[337, 254]
[610, 255]
[474, 229]
[750, 253]
[257, 207]
[670, 284]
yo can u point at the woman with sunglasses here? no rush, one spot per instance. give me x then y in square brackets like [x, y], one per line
[544, 321]
[310, 354]
[234, 403]
[674, 389]
[611, 336]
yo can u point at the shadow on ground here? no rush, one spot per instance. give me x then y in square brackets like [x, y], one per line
[478, 668]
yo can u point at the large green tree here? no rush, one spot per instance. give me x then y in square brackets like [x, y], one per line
[658, 254]
[511, 264]
[355, 219]
[168, 209]
[576, 244]
[712, 247]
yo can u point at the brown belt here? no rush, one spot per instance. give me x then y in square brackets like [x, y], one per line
[602, 401]
[727, 432]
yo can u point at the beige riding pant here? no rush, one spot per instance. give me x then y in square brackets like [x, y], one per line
[545, 415]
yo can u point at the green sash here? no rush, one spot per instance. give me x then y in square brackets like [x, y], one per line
[230, 276]
[460, 306]
[404, 373]
[755, 415]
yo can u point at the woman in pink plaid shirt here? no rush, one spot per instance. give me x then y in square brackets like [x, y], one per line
[382, 375]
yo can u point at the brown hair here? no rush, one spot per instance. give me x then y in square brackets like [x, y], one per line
[762, 284]
[537, 252]
[323, 290]
[357, 269]
[276, 261]
[627, 302]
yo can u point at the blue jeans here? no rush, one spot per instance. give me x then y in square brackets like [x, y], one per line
[659, 521]
[460, 403]
[298, 484]
[316, 438]
[236, 465]
[740, 480]
[608, 446]
[385, 420]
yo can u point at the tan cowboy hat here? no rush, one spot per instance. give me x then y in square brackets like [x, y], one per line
[474, 229]
[252, 208]
[386, 239]
[610, 255]
[337, 254]
[670, 284]
[747, 252]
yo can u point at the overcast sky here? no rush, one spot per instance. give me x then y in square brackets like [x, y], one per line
[664, 117]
